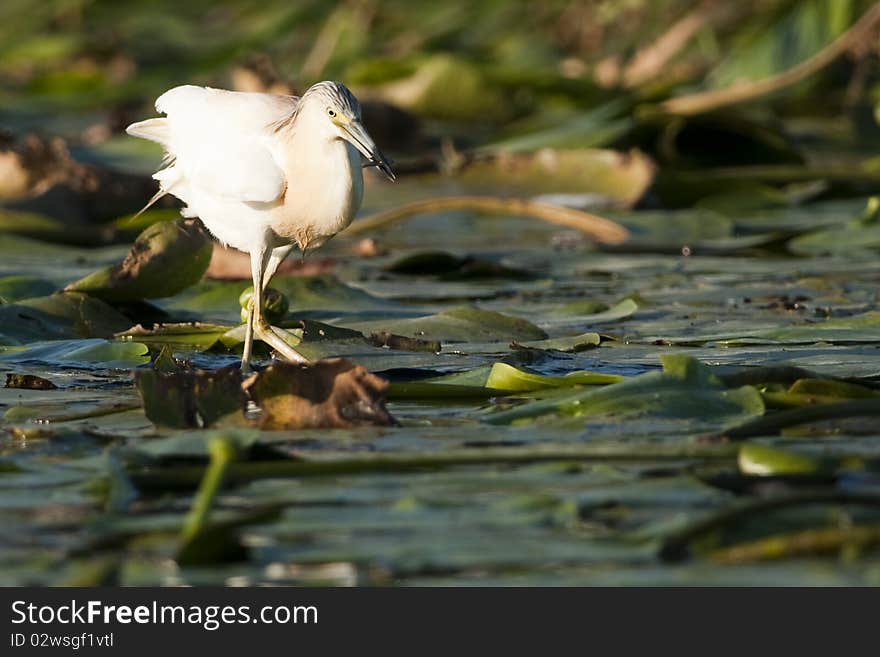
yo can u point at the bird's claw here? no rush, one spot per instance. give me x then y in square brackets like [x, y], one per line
[271, 337]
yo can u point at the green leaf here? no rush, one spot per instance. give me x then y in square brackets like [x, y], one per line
[585, 310]
[194, 335]
[16, 288]
[684, 389]
[757, 459]
[464, 324]
[110, 354]
[60, 316]
[166, 258]
[767, 47]
[188, 399]
[307, 296]
[574, 343]
[510, 379]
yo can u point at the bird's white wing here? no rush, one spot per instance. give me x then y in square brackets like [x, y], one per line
[219, 141]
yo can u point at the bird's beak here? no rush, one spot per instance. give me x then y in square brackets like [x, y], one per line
[362, 141]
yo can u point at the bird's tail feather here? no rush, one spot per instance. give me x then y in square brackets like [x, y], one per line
[153, 129]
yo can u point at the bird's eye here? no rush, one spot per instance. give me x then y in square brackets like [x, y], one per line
[331, 113]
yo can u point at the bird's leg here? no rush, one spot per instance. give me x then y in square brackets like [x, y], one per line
[248, 341]
[259, 261]
[263, 268]
[275, 259]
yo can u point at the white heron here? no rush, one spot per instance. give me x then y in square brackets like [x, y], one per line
[264, 173]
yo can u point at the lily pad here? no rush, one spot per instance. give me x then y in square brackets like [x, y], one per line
[315, 297]
[166, 258]
[187, 399]
[464, 324]
[68, 353]
[60, 316]
[684, 389]
[325, 394]
[16, 288]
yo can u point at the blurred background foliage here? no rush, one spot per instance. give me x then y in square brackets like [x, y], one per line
[448, 82]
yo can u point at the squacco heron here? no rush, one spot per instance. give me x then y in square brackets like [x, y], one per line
[264, 173]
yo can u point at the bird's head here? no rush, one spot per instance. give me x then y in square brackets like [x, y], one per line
[338, 111]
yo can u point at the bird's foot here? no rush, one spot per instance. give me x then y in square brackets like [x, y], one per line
[274, 338]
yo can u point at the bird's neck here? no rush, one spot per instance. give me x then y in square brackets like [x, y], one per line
[311, 146]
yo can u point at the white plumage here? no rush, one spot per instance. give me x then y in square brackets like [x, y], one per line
[263, 171]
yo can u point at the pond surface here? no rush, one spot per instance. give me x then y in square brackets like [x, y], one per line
[472, 489]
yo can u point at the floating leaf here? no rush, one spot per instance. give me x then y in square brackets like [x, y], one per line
[458, 325]
[757, 459]
[60, 316]
[307, 296]
[28, 382]
[194, 335]
[69, 353]
[684, 389]
[16, 288]
[619, 177]
[328, 393]
[510, 379]
[587, 313]
[572, 343]
[187, 399]
[856, 329]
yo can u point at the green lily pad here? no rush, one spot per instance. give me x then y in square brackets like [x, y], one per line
[757, 459]
[188, 399]
[316, 297]
[110, 354]
[60, 316]
[586, 311]
[864, 328]
[510, 379]
[464, 324]
[16, 288]
[684, 389]
[166, 258]
[572, 343]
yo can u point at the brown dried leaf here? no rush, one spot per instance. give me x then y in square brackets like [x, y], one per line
[333, 393]
[28, 382]
[192, 399]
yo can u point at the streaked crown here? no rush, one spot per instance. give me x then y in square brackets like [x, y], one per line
[334, 94]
